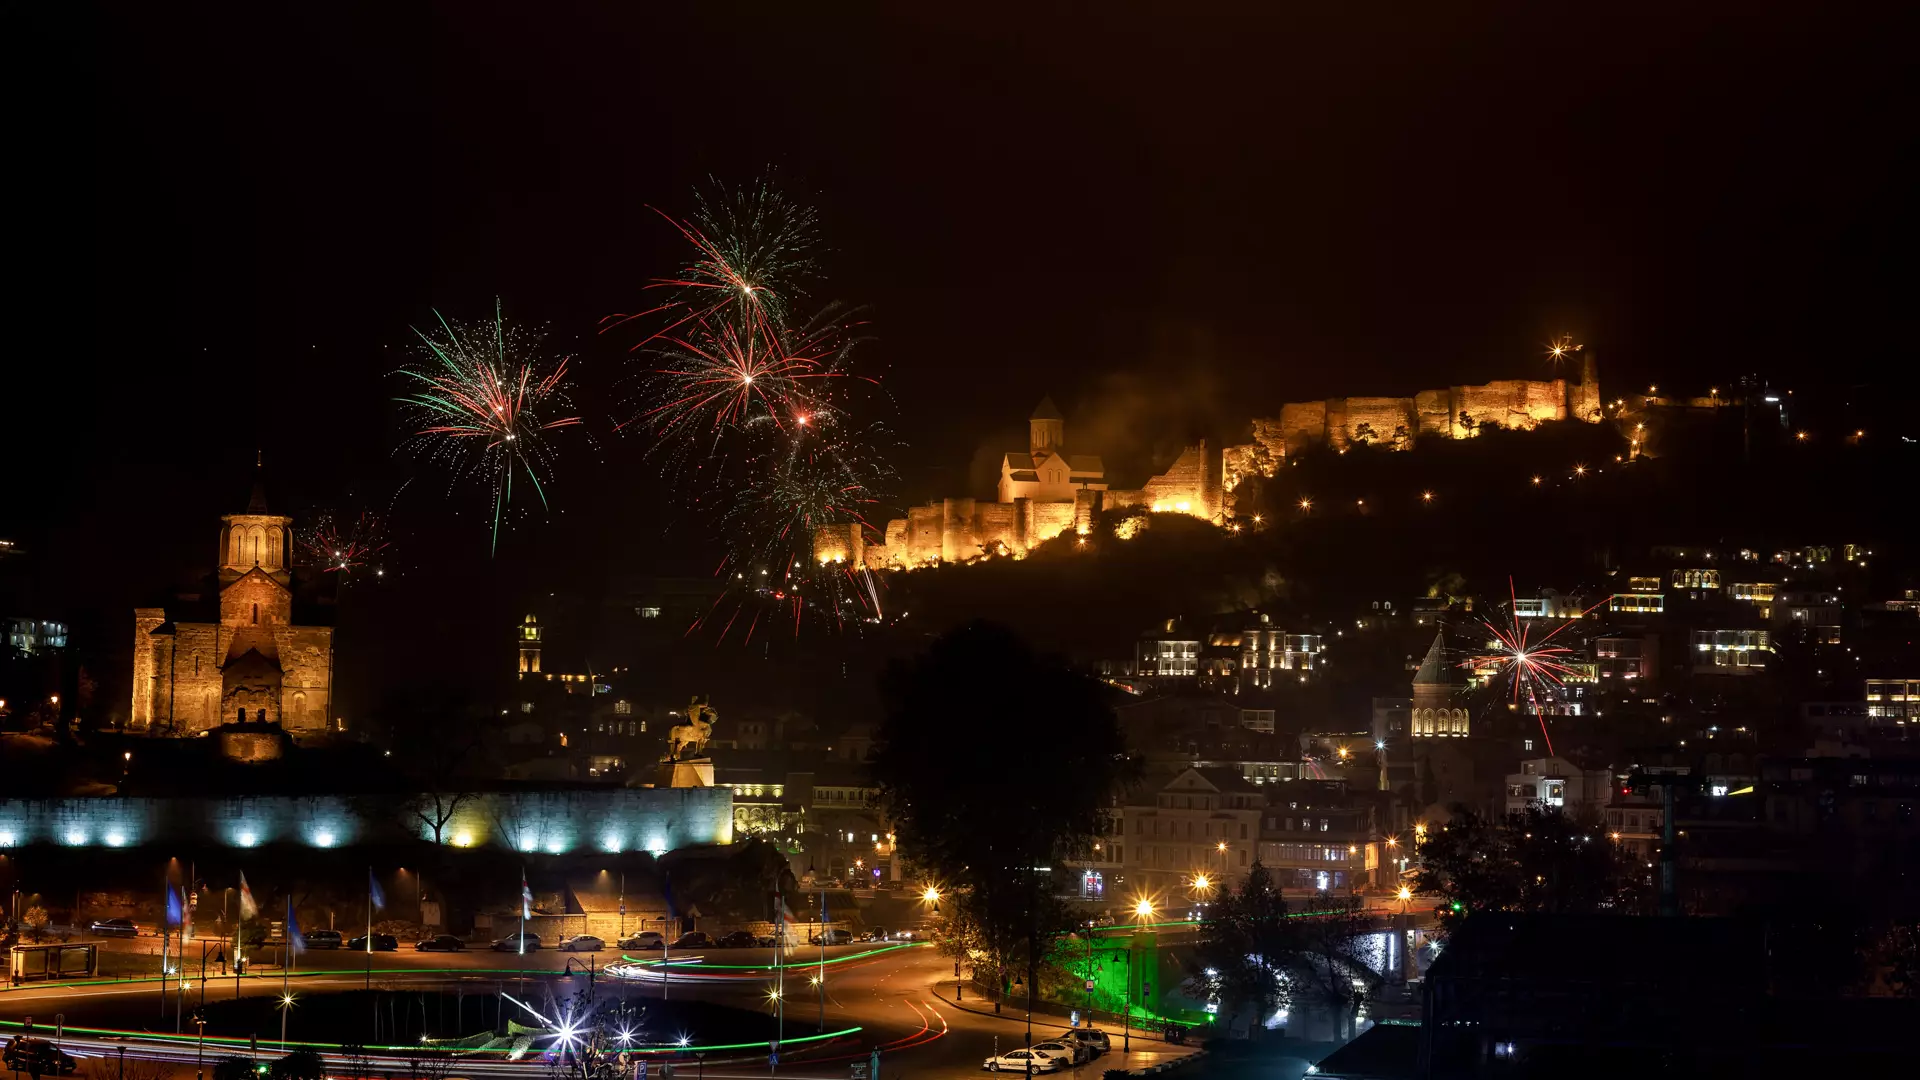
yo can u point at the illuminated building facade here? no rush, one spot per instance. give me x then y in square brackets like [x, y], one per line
[253, 664]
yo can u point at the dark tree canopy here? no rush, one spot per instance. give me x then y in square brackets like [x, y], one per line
[1539, 859]
[994, 763]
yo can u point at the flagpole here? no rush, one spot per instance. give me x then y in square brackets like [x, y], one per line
[166, 893]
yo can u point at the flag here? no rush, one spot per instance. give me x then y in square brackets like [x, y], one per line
[248, 909]
[175, 910]
[294, 939]
[378, 898]
[526, 896]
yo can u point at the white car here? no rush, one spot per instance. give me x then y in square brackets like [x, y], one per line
[1066, 1051]
[645, 939]
[1020, 1061]
[581, 943]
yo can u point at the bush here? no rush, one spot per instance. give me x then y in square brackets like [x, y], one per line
[233, 1068]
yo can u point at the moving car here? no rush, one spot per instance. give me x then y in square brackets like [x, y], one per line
[440, 943]
[878, 933]
[645, 939]
[832, 937]
[694, 939]
[739, 939]
[516, 941]
[381, 943]
[1020, 1061]
[37, 1057]
[115, 928]
[580, 943]
[321, 939]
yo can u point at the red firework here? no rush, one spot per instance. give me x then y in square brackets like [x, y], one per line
[1533, 668]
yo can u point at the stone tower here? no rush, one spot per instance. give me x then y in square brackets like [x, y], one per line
[1437, 711]
[530, 646]
[1046, 427]
[256, 539]
[1583, 398]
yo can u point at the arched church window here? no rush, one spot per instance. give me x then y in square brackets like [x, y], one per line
[256, 614]
[243, 716]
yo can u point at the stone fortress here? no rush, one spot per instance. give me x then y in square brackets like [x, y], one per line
[1045, 491]
[1048, 489]
[251, 666]
[1455, 412]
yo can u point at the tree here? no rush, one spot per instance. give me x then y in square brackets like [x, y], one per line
[1323, 962]
[233, 1067]
[1245, 943]
[979, 796]
[299, 1065]
[436, 808]
[1539, 859]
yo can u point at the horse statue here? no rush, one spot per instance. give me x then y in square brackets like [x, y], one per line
[689, 739]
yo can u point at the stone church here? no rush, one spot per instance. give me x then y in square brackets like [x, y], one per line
[251, 666]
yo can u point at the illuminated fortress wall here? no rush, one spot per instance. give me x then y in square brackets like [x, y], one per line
[556, 822]
[957, 530]
[1455, 412]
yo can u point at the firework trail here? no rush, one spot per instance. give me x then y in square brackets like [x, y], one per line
[482, 399]
[349, 550]
[1533, 669]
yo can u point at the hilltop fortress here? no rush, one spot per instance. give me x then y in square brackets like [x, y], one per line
[1456, 412]
[1048, 488]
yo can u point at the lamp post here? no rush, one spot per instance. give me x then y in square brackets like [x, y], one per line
[1142, 910]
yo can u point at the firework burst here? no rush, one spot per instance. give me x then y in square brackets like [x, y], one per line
[484, 400]
[752, 250]
[761, 416]
[1535, 670]
[350, 550]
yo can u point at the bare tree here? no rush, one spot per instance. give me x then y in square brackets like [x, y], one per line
[436, 808]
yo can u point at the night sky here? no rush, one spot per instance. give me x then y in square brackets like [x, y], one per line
[1170, 224]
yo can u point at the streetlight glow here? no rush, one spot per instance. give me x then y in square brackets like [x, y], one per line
[1143, 909]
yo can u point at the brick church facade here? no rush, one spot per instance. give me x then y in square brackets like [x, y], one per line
[253, 665]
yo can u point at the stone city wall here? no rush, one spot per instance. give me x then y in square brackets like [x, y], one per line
[1398, 422]
[598, 819]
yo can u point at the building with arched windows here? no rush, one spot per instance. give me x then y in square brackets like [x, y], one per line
[251, 666]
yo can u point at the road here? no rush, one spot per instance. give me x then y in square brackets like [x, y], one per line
[895, 997]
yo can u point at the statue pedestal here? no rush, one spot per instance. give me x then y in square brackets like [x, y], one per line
[695, 773]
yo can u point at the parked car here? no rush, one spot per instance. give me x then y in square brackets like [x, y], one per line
[37, 1057]
[878, 933]
[832, 937]
[580, 943]
[440, 943]
[515, 942]
[381, 943]
[115, 928]
[693, 939]
[1069, 1051]
[1019, 1061]
[1095, 1039]
[739, 939]
[645, 939]
[321, 939]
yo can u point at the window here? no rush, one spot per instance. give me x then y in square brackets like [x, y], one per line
[1243, 830]
[622, 708]
[1323, 824]
[256, 614]
[649, 612]
[1527, 744]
